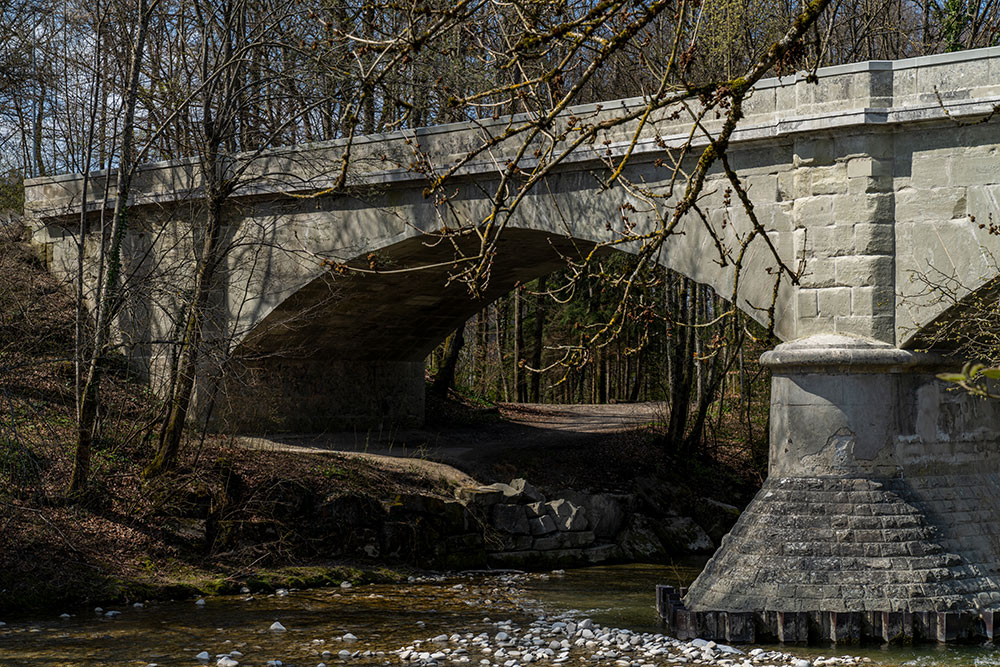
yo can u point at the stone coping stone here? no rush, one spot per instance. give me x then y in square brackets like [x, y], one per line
[833, 352]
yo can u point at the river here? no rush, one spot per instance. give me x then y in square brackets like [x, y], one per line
[383, 618]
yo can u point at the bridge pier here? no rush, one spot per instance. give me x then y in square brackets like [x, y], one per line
[883, 493]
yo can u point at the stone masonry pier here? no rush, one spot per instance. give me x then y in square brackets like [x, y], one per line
[881, 513]
[878, 520]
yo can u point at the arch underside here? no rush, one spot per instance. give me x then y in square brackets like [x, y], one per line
[970, 325]
[403, 313]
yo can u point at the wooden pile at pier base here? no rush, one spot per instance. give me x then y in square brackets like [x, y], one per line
[823, 627]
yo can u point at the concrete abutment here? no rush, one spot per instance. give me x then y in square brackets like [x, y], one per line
[317, 395]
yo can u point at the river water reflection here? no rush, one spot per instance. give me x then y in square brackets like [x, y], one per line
[382, 617]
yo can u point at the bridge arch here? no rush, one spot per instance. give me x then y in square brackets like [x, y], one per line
[342, 347]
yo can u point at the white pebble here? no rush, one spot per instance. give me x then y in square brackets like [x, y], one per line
[112, 614]
[349, 638]
[277, 627]
[64, 616]
[226, 661]
[203, 656]
[200, 602]
[346, 584]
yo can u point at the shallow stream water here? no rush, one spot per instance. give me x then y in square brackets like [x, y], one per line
[382, 617]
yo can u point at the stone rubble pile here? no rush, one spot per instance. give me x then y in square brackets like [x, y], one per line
[524, 529]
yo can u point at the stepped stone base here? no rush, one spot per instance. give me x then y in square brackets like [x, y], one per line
[833, 544]
[880, 518]
[824, 559]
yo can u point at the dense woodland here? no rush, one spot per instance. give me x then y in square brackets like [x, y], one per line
[103, 84]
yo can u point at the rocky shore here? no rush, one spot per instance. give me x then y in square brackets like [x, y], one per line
[565, 638]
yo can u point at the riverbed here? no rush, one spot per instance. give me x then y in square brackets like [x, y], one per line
[456, 618]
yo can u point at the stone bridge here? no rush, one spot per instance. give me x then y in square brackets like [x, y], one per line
[880, 514]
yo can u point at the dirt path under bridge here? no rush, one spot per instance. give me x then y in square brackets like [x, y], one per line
[546, 442]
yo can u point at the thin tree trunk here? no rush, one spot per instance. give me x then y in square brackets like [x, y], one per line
[680, 387]
[602, 376]
[520, 382]
[502, 387]
[180, 400]
[633, 395]
[37, 136]
[108, 300]
[536, 351]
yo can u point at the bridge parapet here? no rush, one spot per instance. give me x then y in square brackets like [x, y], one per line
[861, 94]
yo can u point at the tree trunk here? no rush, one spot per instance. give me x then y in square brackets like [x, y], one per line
[520, 383]
[680, 387]
[187, 367]
[633, 395]
[36, 138]
[602, 376]
[536, 351]
[445, 378]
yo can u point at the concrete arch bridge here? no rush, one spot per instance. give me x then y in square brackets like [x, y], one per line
[880, 515]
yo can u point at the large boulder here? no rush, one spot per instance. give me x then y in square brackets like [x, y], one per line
[574, 540]
[512, 519]
[527, 493]
[567, 515]
[601, 553]
[639, 541]
[542, 525]
[606, 512]
[681, 535]
[484, 496]
[717, 518]
[536, 510]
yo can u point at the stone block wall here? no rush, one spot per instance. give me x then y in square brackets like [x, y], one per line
[843, 217]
